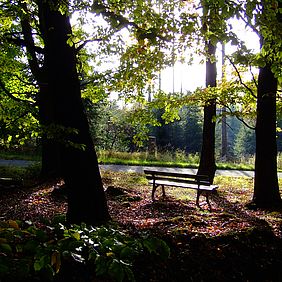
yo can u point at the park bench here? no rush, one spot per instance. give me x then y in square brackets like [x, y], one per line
[163, 178]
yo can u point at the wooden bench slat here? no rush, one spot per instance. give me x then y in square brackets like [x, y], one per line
[184, 185]
[175, 174]
[180, 180]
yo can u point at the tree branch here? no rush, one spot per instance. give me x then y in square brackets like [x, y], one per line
[23, 81]
[29, 41]
[254, 29]
[9, 123]
[10, 95]
[22, 43]
[240, 118]
[82, 45]
[253, 76]
[122, 22]
[240, 78]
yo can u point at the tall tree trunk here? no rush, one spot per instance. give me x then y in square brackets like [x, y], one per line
[49, 145]
[266, 189]
[78, 160]
[207, 161]
[50, 159]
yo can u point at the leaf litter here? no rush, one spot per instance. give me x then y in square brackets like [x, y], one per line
[229, 243]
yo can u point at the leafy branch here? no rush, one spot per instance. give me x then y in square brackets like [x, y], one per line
[11, 95]
[119, 22]
[238, 116]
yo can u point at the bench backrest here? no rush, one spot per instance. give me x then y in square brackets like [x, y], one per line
[177, 177]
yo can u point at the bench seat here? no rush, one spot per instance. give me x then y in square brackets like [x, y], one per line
[184, 185]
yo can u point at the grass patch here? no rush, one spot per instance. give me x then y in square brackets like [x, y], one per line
[12, 172]
[16, 172]
[240, 188]
[165, 159]
[21, 155]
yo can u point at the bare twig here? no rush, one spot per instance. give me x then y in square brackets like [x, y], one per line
[253, 76]
[82, 45]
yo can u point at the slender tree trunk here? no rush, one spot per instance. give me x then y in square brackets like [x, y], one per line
[207, 161]
[224, 141]
[78, 160]
[266, 189]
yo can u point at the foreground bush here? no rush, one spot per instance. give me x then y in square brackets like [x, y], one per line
[34, 254]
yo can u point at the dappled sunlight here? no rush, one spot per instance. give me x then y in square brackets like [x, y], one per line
[130, 204]
[229, 235]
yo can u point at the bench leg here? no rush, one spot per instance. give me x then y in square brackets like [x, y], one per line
[153, 192]
[163, 191]
[198, 198]
[208, 202]
[207, 199]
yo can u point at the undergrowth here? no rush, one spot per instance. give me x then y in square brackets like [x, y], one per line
[31, 253]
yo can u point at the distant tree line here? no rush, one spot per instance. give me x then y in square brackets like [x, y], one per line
[112, 129]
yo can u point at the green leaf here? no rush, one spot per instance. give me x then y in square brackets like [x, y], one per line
[41, 263]
[116, 270]
[92, 256]
[76, 235]
[4, 269]
[129, 273]
[157, 246]
[127, 253]
[101, 265]
[41, 235]
[6, 248]
[30, 246]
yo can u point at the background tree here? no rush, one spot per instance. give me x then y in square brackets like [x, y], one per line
[207, 164]
[268, 26]
[244, 144]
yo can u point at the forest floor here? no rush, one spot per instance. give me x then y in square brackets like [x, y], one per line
[229, 243]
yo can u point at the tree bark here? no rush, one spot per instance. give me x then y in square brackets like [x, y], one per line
[224, 140]
[266, 189]
[78, 160]
[50, 160]
[207, 161]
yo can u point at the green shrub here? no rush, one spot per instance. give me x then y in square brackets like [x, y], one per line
[30, 253]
